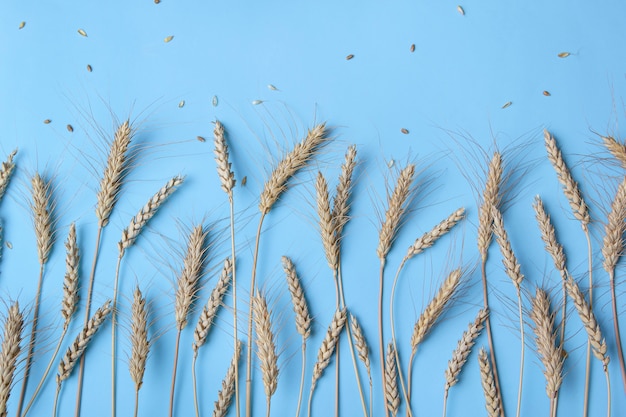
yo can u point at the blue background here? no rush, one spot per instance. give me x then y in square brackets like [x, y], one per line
[449, 94]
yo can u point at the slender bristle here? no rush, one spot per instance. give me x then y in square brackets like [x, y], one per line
[139, 339]
[224, 169]
[341, 202]
[114, 172]
[11, 349]
[327, 348]
[190, 275]
[225, 396]
[42, 207]
[492, 401]
[464, 348]
[70, 282]
[6, 170]
[491, 198]
[509, 260]
[265, 343]
[429, 238]
[295, 160]
[397, 205]
[392, 395]
[613, 242]
[139, 221]
[327, 224]
[300, 307]
[205, 321]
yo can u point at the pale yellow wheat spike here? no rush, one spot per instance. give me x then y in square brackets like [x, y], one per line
[509, 260]
[396, 208]
[617, 149]
[300, 307]
[266, 345]
[570, 187]
[11, 349]
[613, 242]
[327, 224]
[190, 275]
[140, 344]
[225, 396]
[429, 238]
[70, 282]
[464, 348]
[549, 352]
[295, 160]
[341, 202]
[360, 343]
[116, 167]
[6, 170]
[327, 348]
[491, 198]
[77, 348]
[139, 221]
[42, 206]
[392, 395]
[435, 308]
[492, 401]
[548, 235]
[588, 318]
[205, 321]
[224, 171]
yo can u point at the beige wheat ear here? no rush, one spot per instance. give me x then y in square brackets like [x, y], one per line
[266, 345]
[300, 307]
[329, 343]
[6, 170]
[224, 171]
[548, 235]
[509, 260]
[429, 238]
[327, 224]
[139, 339]
[295, 160]
[190, 275]
[139, 221]
[617, 149]
[341, 202]
[491, 198]
[613, 242]
[225, 396]
[392, 395]
[42, 216]
[360, 343]
[70, 282]
[492, 400]
[11, 349]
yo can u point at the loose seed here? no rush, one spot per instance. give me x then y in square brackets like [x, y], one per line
[89, 69]
[390, 163]
[405, 131]
[181, 104]
[47, 121]
[82, 33]
[157, 1]
[168, 39]
[507, 104]
[214, 101]
[272, 87]
[22, 24]
[460, 10]
[9, 244]
[201, 139]
[70, 128]
[546, 93]
[257, 102]
[244, 181]
[412, 47]
[563, 54]
[349, 57]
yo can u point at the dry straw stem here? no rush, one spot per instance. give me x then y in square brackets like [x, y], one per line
[429, 238]
[327, 348]
[549, 352]
[396, 208]
[617, 149]
[300, 307]
[77, 348]
[13, 326]
[190, 275]
[266, 346]
[139, 221]
[492, 400]
[224, 171]
[114, 172]
[392, 395]
[42, 206]
[205, 321]
[330, 240]
[6, 169]
[341, 202]
[225, 396]
[491, 198]
[295, 160]
[463, 349]
[139, 339]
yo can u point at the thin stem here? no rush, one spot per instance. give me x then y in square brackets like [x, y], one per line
[521, 364]
[174, 374]
[618, 338]
[31, 343]
[302, 378]
[310, 399]
[114, 333]
[269, 403]
[409, 377]
[563, 314]
[136, 402]
[249, 355]
[369, 375]
[337, 363]
[608, 391]
[553, 407]
[56, 400]
[445, 401]
[193, 380]
[235, 332]
[45, 374]
[81, 367]
[381, 342]
[588, 358]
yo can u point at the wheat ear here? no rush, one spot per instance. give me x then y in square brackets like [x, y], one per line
[429, 238]
[550, 353]
[68, 304]
[330, 241]
[392, 395]
[11, 349]
[139, 342]
[139, 221]
[612, 250]
[341, 202]
[327, 348]
[464, 348]
[224, 171]
[492, 400]
[6, 170]
[617, 149]
[186, 291]
[225, 396]
[266, 346]
[361, 346]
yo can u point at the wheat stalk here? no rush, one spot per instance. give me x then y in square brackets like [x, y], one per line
[6, 170]
[11, 349]
[139, 221]
[429, 238]
[225, 396]
[617, 149]
[492, 404]
[341, 202]
[392, 395]
[224, 171]
[266, 346]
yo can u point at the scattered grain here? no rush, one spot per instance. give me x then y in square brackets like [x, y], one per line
[214, 101]
[256, 102]
[563, 54]
[460, 10]
[22, 24]
[412, 49]
[81, 32]
[546, 93]
[70, 128]
[89, 69]
[9, 244]
[47, 121]
[200, 139]
[405, 131]
[507, 104]
[181, 104]
[244, 181]
[349, 57]
[168, 39]
[272, 87]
